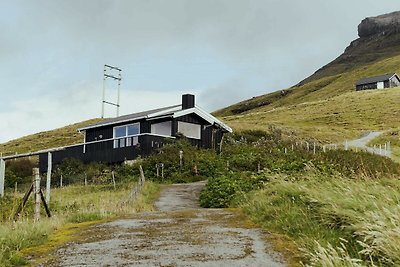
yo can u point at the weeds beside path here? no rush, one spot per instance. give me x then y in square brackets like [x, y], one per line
[178, 234]
[74, 208]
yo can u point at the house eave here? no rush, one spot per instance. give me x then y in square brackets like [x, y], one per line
[110, 123]
[203, 114]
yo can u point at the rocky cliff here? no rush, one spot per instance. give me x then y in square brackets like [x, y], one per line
[379, 39]
[384, 24]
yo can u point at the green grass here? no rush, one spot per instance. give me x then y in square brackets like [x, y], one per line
[335, 221]
[332, 120]
[73, 208]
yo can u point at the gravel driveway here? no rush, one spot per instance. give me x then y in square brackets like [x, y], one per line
[178, 234]
[363, 141]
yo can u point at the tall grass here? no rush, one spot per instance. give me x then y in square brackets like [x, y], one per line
[338, 222]
[72, 204]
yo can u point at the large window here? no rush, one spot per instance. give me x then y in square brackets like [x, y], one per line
[190, 130]
[162, 128]
[126, 135]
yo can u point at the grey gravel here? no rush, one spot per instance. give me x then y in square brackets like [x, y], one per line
[179, 233]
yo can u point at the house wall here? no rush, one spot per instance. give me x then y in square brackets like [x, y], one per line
[211, 137]
[394, 82]
[107, 132]
[366, 86]
[207, 131]
[106, 153]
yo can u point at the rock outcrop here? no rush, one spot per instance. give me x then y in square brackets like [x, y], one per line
[388, 23]
[379, 39]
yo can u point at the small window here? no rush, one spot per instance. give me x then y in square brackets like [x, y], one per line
[129, 131]
[120, 131]
[133, 129]
[162, 128]
[190, 130]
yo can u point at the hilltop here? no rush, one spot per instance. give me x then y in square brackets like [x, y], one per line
[325, 105]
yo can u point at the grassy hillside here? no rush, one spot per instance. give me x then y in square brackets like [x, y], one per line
[330, 120]
[320, 89]
[329, 108]
[67, 135]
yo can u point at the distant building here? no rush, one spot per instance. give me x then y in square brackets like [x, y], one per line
[378, 82]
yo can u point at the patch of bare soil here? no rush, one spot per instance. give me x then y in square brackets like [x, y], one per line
[178, 234]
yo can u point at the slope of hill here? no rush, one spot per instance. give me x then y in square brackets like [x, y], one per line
[379, 39]
[330, 120]
[67, 135]
[326, 105]
[376, 52]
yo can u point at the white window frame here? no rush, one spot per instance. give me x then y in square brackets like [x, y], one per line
[117, 142]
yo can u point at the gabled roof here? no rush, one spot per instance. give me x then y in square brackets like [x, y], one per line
[205, 115]
[376, 79]
[171, 111]
[132, 117]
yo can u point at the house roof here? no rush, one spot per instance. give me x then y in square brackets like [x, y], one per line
[171, 111]
[375, 79]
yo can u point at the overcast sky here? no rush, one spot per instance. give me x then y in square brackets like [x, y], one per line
[52, 53]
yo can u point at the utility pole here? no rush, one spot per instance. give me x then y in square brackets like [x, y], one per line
[113, 73]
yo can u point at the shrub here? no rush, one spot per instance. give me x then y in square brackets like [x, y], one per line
[221, 190]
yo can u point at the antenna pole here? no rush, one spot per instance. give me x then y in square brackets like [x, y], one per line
[119, 87]
[104, 92]
[110, 73]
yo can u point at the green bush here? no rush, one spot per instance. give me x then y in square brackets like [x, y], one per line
[220, 191]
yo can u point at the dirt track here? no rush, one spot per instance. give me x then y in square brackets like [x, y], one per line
[178, 234]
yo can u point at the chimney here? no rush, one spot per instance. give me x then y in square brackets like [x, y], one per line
[187, 101]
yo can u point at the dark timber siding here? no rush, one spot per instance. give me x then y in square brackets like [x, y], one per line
[367, 86]
[206, 131]
[105, 152]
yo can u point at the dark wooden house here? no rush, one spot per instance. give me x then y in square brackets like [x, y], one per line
[378, 82]
[127, 137]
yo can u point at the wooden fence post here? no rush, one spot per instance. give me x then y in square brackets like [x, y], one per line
[36, 190]
[113, 179]
[2, 176]
[85, 179]
[48, 182]
[181, 158]
[314, 150]
[158, 170]
[141, 181]
[61, 181]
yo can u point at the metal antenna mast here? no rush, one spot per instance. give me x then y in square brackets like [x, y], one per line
[110, 72]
